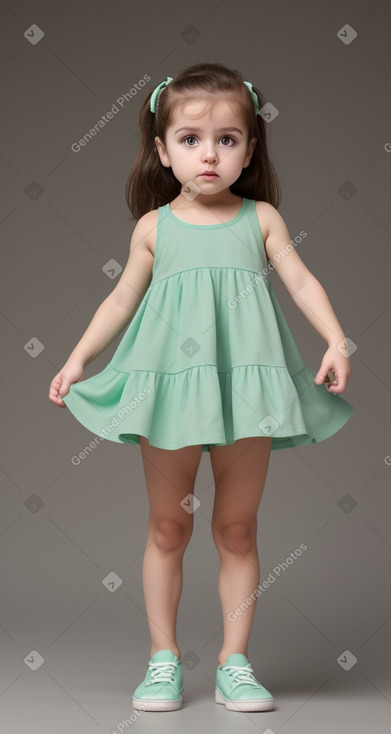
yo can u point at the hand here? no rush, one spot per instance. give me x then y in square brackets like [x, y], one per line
[61, 383]
[334, 360]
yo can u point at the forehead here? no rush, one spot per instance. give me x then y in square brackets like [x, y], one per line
[207, 112]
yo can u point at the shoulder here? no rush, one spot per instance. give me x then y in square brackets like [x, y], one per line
[271, 223]
[267, 216]
[145, 229]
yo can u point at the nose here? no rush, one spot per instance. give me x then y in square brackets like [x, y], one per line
[209, 152]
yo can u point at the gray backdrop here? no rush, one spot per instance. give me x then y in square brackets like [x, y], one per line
[72, 650]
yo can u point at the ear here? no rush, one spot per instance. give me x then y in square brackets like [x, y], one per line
[250, 150]
[162, 152]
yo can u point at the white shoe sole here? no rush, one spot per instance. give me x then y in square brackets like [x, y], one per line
[147, 704]
[266, 705]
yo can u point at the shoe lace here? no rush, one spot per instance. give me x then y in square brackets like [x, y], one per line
[241, 674]
[161, 672]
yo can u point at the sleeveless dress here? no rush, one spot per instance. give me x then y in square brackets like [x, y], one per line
[208, 357]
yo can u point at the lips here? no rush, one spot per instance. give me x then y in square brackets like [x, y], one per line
[210, 174]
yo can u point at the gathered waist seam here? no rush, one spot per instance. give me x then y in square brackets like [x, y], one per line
[196, 366]
[210, 267]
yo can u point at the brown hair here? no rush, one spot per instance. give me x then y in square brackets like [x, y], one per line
[150, 184]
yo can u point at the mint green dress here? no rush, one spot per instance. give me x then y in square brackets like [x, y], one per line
[208, 357]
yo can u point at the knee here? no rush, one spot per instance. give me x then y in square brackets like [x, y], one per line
[171, 535]
[235, 537]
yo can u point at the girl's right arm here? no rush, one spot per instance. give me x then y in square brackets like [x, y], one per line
[114, 312]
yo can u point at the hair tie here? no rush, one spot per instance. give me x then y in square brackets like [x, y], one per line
[254, 97]
[156, 92]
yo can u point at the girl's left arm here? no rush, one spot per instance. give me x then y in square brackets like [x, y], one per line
[311, 298]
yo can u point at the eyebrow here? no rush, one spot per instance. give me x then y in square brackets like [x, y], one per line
[197, 129]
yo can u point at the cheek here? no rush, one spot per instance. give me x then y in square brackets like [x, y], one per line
[235, 158]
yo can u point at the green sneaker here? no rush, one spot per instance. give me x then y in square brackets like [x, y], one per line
[237, 688]
[162, 687]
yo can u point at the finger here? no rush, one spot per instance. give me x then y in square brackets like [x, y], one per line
[334, 388]
[53, 393]
[320, 377]
[54, 398]
[331, 377]
[341, 384]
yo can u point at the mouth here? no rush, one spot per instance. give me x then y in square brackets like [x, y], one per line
[209, 175]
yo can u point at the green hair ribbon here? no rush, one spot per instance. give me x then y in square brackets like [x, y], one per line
[156, 92]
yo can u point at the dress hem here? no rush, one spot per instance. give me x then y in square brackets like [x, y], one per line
[288, 442]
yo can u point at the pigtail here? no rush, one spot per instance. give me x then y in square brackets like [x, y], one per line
[259, 180]
[149, 184]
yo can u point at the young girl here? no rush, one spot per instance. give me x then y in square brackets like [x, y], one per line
[208, 362]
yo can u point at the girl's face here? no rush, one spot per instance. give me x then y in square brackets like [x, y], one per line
[216, 142]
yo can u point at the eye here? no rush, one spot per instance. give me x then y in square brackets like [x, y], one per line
[189, 137]
[227, 137]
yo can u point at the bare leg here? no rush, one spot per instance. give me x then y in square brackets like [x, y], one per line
[170, 476]
[240, 473]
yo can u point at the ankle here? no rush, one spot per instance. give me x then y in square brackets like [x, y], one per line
[175, 650]
[223, 656]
